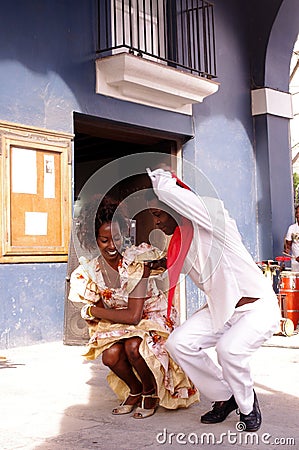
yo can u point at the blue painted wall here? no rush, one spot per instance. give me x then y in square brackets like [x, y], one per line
[31, 298]
[223, 145]
[47, 72]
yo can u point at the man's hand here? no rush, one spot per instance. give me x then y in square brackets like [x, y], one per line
[156, 263]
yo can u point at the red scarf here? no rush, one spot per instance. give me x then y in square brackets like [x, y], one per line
[177, 251]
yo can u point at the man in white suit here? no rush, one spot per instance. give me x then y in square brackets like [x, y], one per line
[242, 310]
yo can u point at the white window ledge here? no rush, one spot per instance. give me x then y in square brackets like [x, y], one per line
[139, 80]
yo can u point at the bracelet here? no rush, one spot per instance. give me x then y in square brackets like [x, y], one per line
[86, 313]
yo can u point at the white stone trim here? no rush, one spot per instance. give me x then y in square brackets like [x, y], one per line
[132, 78]
[271, 101]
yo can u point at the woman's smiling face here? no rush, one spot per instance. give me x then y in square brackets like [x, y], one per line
[109, 240]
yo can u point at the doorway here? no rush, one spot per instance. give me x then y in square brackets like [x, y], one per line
[97, 143]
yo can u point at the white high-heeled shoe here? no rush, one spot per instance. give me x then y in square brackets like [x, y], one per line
[123, 408]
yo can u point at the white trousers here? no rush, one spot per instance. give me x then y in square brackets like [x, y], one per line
[249, 327]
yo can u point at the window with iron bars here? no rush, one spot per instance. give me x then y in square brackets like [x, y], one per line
[179, 33]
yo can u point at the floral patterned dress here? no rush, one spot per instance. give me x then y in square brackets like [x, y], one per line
[175, 390]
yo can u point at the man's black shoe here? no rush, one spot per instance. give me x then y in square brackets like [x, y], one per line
[252, 420]
[220, 411]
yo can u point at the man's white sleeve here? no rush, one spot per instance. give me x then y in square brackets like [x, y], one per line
[200, 210]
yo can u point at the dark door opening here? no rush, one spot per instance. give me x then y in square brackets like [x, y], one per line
[100, 141]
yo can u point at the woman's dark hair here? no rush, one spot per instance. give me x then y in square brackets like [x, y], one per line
[93, 215]
[109, 210]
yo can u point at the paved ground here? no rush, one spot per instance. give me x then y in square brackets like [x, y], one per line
[51, 399]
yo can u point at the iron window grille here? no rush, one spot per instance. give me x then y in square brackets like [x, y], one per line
[179, 33]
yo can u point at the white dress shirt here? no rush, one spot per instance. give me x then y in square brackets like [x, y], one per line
[217, 261]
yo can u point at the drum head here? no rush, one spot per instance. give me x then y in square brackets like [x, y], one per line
[288, 273]
[287, 327]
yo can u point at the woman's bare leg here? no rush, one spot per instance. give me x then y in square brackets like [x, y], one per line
[148, 380]
[116, 359]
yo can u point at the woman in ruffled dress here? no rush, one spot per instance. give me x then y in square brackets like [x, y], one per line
[126, 314]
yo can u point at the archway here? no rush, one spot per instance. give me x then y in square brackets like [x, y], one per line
[273, 138]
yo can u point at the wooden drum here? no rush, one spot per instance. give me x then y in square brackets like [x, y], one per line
[289, 296]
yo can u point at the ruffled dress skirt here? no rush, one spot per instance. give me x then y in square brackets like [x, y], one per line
[175, 390]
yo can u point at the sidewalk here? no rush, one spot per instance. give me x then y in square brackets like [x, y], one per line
[52, 399]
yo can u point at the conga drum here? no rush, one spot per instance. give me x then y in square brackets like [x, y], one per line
[289, 296]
